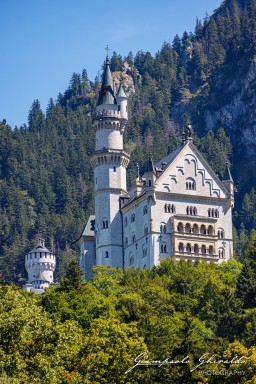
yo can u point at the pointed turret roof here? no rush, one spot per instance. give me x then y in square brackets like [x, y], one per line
[106, 93]
[121, 92]
[150, 165]
[227, 174]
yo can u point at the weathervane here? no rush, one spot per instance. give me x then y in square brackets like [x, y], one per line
[107, 50]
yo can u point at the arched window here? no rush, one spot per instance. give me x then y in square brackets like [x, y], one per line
[187, 228]
[195, 229]
[163, 228]
[131, 259]
[221, 253]
[196, 248]
[145, 209]
[181, 247]
[194, 211]
[133, 218]
[126, 242]
[114, 168]
[190, 184]
[187, 209]
[210, 250]
[163, 248]
[216, 213]
[146, 230]
[125, 221]
[203, 249]
[210, 230]
[191, 211]
[203, 229]
[221, 234]
[173, 208]
[104, 224]
[209, 212]
[166, 208]
[133, 237]
[180, 227]
[188, 248]
[144, 250]
[169, 208]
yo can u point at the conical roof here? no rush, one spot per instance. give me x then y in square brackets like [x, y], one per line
[40, 247]
[227, 174]
[121, 92]
[106, 93]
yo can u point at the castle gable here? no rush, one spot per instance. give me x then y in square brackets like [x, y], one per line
[189, 173]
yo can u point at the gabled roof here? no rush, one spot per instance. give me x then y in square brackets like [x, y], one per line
[175, 155]
[89, 228]
[169, 158]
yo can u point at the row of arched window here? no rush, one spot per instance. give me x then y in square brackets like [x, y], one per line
[191, 185]
[126, 243]
[213, 212]
[188, 248]
[195, 229]
[191, 211]
[170, 208]
[40, 255]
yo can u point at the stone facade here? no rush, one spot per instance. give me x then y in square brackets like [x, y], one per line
[40, 264]
[179, 208]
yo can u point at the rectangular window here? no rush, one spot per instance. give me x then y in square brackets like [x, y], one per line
[106, 255]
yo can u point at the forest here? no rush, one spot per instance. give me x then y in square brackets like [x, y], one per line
[92, 331]
[46, 184]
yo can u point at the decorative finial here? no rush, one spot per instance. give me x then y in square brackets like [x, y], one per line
[189, 130]
[183, 138]
[137, 170]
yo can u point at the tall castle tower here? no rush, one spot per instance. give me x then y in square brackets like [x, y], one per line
[109, 162]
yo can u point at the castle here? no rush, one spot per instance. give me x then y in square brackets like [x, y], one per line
[178, 209]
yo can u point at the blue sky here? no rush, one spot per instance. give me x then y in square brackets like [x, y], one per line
[44, 41]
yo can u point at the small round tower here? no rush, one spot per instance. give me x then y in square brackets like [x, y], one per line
[40, 264]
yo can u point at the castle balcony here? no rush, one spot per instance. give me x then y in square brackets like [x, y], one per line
[195, 256]
[110, 156]
[194, 238]
[107, 113]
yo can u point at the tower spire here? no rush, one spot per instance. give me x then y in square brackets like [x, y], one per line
[106, 93]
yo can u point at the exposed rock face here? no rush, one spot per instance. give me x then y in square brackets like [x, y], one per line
[126, 76]
[236, 111]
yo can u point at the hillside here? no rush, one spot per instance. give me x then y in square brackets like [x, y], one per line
[45, 176]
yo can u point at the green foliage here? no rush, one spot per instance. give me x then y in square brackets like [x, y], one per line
[93, 331]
